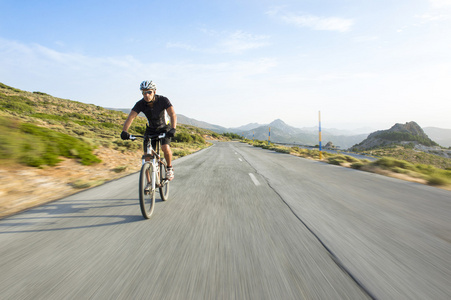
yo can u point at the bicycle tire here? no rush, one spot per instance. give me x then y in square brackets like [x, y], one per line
[164, 190]
[146, 200]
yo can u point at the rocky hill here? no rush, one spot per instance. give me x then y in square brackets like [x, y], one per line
[400, 134]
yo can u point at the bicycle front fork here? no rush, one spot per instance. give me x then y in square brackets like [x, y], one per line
[155, 169]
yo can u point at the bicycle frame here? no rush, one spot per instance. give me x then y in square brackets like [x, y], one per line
[154, 154]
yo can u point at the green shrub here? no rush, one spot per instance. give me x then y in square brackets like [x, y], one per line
[40, 93]
[17, 104]
[198, 139]
[111, 125]
[232, 135]
[9, 88]
[336, 160]
[79, 116]
[129, 145]
[350, 159]
[119, 169]
[59, 144]
[183, 137]
[282, 150]
[357, 165]
[44, 116]
[35, 146]
[400, 170]
[180, 152]
[389, 163]
[425, 169]
[437, 179]
[140, 129]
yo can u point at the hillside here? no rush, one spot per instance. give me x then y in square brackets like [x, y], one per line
[405, 142]
[398, 134]
[55, 147]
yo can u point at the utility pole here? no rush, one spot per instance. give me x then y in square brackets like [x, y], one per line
[320, 149]
[269, 136]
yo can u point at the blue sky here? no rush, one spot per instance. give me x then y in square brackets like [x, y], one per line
[361, 63]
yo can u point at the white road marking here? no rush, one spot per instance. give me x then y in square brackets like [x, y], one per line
[240, 159]
[254, 179]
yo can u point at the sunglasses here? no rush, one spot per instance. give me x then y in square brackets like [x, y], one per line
[148, 92]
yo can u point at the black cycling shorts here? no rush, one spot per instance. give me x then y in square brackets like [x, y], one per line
[165, 141]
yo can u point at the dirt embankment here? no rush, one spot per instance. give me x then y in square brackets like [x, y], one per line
[23, 187]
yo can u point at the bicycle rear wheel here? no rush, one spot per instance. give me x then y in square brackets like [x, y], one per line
[164, 189]
[146, 194]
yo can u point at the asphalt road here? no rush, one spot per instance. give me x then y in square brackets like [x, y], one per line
[241, 223]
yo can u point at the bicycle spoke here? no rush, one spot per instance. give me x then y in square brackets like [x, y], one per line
[146, 193]
[164, 184]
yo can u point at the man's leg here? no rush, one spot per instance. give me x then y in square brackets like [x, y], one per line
[167, 154]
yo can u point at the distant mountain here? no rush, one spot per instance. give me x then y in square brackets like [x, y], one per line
[440, 135]
[247, 127]
[283, 133]
[188, 121]
[410, 132]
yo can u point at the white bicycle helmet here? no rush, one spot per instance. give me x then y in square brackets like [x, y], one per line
[147, 85]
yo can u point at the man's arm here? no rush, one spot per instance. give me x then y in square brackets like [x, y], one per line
[172, 116]
[129, 120]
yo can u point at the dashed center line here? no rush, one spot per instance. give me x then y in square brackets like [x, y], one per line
[256, 182]
[240, 159]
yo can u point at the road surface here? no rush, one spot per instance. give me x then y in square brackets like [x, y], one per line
[241, 223]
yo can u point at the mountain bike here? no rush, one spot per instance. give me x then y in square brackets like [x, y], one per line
[152, 175]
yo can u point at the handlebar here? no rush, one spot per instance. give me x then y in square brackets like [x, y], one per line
[153, 136]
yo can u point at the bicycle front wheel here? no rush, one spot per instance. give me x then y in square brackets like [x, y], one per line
[146, 193]
[164, 187]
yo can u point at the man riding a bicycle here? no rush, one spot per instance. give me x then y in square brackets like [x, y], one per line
[154, 108]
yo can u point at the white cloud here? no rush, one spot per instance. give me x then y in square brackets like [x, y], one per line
[425, 18]
[236, 42]
[240, 41]
[313, 22]
[113, 81]
[366, 38]
[181, 46]
[440, 3]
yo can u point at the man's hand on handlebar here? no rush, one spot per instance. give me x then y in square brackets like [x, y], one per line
[125, 135]
[171, 133]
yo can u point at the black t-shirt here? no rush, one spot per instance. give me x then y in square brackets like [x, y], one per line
[155, 114]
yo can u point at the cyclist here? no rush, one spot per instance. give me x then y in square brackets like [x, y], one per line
[154, 108]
